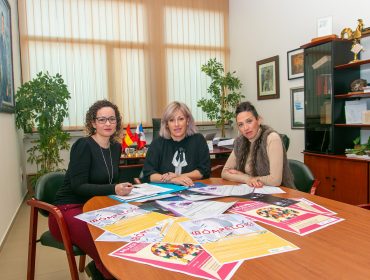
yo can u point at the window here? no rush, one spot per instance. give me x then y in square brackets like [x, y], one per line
[137, 53]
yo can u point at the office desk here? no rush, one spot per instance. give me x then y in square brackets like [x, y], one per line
[340, 251]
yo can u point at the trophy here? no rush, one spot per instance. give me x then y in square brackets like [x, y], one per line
[347, 33]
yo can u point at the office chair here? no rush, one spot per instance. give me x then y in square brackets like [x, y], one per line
[45, 190]
[303, 177]
[156, 127]
[365, 206]
[286, 141]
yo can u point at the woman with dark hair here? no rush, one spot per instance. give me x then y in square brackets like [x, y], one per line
[259, 156]
[92, 171]
[179, 155]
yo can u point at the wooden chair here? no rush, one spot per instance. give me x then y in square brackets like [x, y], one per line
[45, 191]
[303, 177]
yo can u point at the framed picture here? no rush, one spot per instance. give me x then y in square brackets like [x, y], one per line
[295, 64]
[6, 60]
[268, 78]
[297, 107]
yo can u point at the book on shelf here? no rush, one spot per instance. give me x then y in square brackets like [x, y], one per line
[323, 84]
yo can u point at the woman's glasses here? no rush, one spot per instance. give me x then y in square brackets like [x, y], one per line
[103, 120]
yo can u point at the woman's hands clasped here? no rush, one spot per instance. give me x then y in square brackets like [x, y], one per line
[171, 177]
[123, 188]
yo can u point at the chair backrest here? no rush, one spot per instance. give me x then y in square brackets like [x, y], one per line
[303, 177]
[156, 127]
[286, 141]
[47, 186]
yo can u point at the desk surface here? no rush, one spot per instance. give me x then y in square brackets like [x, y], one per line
[340, 251]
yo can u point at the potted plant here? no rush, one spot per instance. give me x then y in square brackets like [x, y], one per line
[41, 106]
[225, 95]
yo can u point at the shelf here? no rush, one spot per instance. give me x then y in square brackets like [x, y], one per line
[352, 65]
[358, 94]
[352, 125]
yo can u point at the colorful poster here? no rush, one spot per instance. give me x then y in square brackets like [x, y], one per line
[231, 237]
[190, 259]
[307, 205]
[123, 219]
[290, 218]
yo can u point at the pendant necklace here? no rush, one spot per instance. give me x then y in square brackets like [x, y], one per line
[110, 179]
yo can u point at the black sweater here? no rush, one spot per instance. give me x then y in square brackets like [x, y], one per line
[87, 173]
[161, 152]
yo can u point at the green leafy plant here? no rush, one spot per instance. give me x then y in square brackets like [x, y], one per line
[41, 106]
[224, 94]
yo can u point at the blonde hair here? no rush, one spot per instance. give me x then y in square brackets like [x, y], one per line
[169, 112]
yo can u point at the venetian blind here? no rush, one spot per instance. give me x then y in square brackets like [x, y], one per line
[140, 54]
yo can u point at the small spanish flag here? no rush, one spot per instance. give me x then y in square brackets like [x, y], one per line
[129, 138]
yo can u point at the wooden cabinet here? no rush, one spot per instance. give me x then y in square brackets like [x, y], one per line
[341, 178]
[322, 81]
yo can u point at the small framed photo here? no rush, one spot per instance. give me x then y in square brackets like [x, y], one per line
[297, 107]
[6, 60]
[295, 64]
[268, 78]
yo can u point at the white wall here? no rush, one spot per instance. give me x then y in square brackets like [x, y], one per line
[261, 29]
[12, 188]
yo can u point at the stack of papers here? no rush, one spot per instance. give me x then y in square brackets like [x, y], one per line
[235, 190]
[145, 192]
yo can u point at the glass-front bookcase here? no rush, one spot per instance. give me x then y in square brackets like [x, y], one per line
[321, 82]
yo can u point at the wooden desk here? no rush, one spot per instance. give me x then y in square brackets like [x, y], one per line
[340, 251]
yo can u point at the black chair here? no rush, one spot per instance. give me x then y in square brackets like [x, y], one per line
[156, 127]
[45, 191]
[303, 177]
[365, 206]
[286, 141]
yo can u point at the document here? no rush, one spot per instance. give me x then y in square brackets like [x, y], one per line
[270, 199]
[235, 190]
[230, 237]
[122, 219]
[145, 191]
[307, 205]
[189, 195]
[189, 259]
[150, 235]
[290, 218]
[195, 209]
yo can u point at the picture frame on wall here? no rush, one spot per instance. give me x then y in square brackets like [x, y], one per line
[6, 60]
[295, 64]
[297, 107]
[268, 78]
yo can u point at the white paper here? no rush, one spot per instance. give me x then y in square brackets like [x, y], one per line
[236, 190]
[141, 190]
[196, 209]
[353, 111]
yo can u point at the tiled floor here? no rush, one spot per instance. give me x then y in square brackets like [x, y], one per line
[50, 263]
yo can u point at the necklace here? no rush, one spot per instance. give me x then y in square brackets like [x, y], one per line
[110, 179]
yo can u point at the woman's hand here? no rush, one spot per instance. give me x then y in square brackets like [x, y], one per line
[183, 180]
[166, 177]
[123, 188]
[234, 171]
[255, 183]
